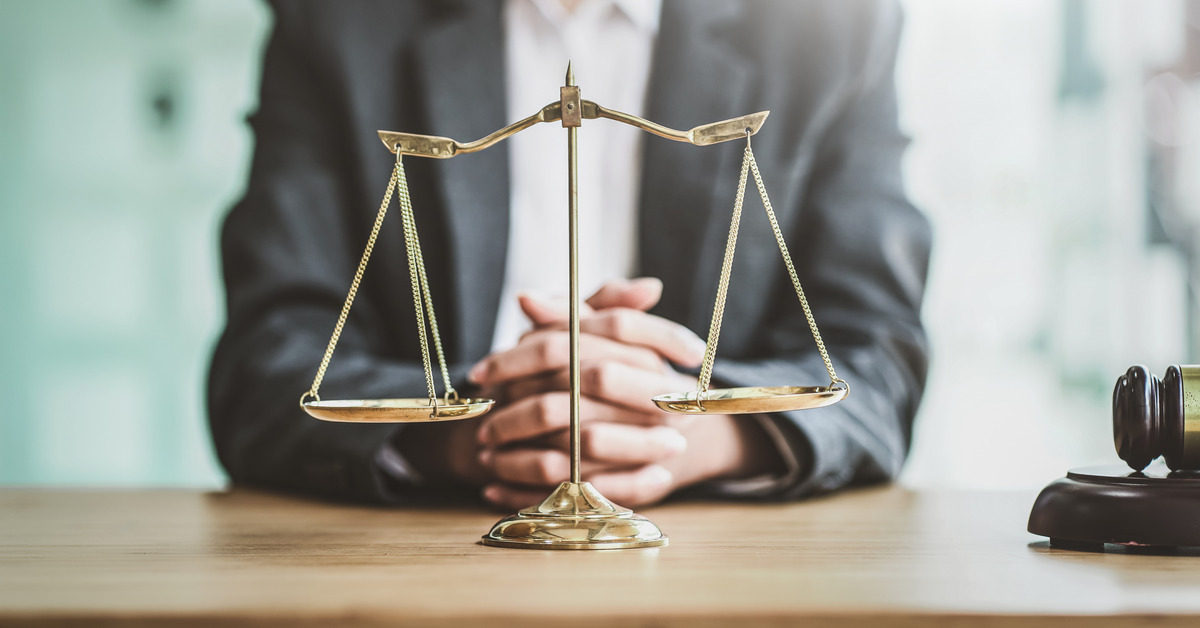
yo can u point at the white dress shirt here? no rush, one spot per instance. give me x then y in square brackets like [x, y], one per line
[609, 43]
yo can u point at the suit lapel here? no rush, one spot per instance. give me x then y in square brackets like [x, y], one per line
[460, 67]
[687, 191]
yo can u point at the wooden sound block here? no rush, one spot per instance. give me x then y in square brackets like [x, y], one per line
[1092, 506]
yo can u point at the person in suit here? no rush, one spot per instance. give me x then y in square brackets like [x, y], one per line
[335, 73]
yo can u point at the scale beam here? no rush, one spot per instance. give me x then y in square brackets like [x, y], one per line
[439, 147]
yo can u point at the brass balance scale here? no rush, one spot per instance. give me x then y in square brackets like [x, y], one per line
[575, 515]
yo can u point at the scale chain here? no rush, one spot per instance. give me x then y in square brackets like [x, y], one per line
[718, 315]
[417, 290]
[420, 284]
[358, 275]
[714, 331]
[787, 260]
[420, 278]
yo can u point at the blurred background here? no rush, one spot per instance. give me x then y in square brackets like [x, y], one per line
[1056, 150]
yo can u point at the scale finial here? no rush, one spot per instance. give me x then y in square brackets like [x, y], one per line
[570, 75]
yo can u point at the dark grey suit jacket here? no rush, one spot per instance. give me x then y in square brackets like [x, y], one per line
[830, 153]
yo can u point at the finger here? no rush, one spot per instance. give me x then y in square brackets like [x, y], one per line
[557, 380]
[546, 413]
[669, 339]
[513, 497]
[544, 351]
[528, 466]
[631, 390]
[629, 387]
[619, 444]
[642, 293]
[637, 487]
[485, 458]
[542, 310]
[526, 418]
[612, 382]
[629, 326]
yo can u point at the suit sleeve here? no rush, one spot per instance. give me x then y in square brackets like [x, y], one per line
[862, 252]
[288, 247]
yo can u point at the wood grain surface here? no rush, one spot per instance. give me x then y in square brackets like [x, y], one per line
[870, 557]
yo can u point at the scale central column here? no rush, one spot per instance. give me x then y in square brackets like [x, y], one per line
[570, 99]
[575, 515]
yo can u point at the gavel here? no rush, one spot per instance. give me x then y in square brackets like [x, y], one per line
[1155, 417]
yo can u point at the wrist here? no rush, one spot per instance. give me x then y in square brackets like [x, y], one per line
[443, 453]
[750, 453]
[726, 447]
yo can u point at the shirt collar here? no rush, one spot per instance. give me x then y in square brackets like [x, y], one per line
[643, 13]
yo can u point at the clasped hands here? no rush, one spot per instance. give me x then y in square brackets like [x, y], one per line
[631, 451]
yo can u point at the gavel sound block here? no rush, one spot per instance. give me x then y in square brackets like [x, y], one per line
[1143, 504]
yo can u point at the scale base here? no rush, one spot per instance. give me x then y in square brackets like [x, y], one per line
[575, 516]
[1093, 506]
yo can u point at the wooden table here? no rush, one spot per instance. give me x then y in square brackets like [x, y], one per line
[877, 557]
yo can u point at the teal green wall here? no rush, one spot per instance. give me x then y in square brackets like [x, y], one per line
[122, 142]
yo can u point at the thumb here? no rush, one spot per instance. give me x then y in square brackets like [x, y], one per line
[642, 294]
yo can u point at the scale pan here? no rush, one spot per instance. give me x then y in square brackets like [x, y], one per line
[395, 410]
[751, 400]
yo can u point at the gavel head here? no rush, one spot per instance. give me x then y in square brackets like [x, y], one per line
[1153, 417]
